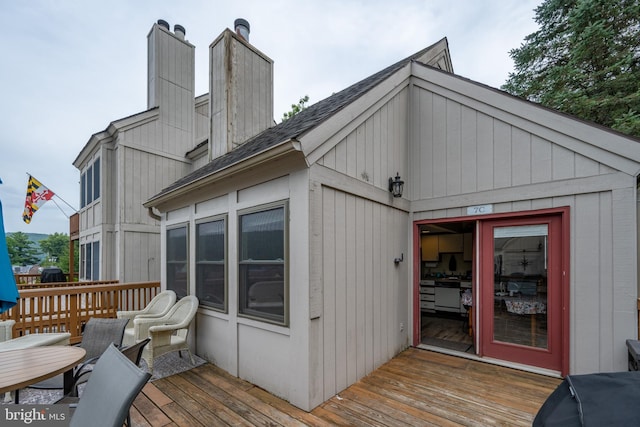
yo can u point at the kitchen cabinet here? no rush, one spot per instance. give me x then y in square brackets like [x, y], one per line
[429, 245]
[450, 243]
[467, 252]
[427, 296]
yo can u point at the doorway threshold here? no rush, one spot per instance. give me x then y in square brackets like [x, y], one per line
[492, 361]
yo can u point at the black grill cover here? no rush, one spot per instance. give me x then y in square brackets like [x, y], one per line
[606, 399]
[51, 275]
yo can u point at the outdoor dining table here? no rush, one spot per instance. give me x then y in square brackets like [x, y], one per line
[23, 367]
[527, 305]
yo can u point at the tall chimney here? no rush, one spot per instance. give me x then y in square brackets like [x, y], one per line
[242, 28]
[171, 81]
[240, 90]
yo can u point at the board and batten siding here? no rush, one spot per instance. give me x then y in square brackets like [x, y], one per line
[364, 309]
[377, 148]
[460, 150]
[463, 155]
[141, 172]
[139, 256]
[241, 93]
[365, 302]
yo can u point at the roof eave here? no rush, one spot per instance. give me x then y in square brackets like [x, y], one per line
[111, 131]
[272, 153]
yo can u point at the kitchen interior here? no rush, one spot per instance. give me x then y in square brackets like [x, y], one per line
[446, 275]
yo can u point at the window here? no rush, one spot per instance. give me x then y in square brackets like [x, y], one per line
[90, 261]
[177, 260]
[263, 289]
[95, 261]
[83, 184]
[210, 264]
[96, 179]
[90, 184]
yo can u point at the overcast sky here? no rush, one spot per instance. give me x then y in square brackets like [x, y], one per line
[70, 67]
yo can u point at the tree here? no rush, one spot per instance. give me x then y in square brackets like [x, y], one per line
[296, 108]
[584, 60]
[22, 251]
[56, 248]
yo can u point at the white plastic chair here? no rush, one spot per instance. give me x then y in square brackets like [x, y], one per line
[6, 329]
[157, 307]
[169, 332]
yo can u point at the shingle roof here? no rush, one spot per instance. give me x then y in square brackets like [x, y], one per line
[296, 126]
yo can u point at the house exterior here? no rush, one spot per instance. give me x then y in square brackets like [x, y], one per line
[135, 157]
[311, 274]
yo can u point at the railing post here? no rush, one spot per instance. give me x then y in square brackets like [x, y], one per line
[74, 324]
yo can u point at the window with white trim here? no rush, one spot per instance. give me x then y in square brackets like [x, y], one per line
[90, 261]
[90, 184]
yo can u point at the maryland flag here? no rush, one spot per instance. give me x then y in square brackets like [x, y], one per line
[37, 195]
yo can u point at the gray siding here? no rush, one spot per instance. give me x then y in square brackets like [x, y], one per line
[377, 148]
[462, 153]
[241, 93]
[360, 296]
[461, 150]
[363, 299]
[140, 256]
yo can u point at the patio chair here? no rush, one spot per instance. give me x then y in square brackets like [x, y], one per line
[157, 307]
[99, 333]
[169, 332]
[6, 329]
[132, 352]
[110, 392]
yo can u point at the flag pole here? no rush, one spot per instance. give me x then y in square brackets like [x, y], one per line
[56, 195]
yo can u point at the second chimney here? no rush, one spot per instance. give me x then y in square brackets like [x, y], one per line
[242, 28]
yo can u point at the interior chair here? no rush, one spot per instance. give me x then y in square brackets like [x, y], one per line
[167, 333]
[108, 395]
[157, 307]
[98, 335]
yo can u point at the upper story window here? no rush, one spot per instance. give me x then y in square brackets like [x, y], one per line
[177, 265]
[263, 288]
[90, 184]
[211, 283]
[90, 261]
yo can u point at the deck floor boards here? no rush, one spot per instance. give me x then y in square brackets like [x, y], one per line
[418, 387]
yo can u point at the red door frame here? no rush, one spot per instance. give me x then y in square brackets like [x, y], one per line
[565, 254]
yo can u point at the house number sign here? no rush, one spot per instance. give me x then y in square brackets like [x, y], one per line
[480, 210]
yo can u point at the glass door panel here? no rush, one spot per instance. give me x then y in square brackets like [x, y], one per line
[520, 290]
[521, 299]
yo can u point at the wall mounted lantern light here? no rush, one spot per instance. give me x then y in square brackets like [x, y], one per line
[397, 261]
[396, 185]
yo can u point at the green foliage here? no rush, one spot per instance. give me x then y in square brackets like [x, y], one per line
[56, 248]
[296, 108]
[584, 60]
[22, 251]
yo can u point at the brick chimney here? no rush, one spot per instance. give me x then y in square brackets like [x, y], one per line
[240, 90]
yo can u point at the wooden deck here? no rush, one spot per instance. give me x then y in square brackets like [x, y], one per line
[417, 387]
